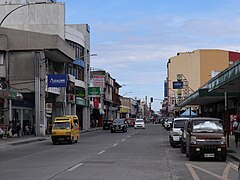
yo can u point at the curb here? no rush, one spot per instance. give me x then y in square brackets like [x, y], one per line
[233, 157]
[27, 141]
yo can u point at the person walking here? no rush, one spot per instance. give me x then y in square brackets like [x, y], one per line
[236, 127]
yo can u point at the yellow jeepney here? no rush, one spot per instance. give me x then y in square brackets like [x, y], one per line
[65, 128]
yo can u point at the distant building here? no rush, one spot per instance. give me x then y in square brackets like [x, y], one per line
[109, 100]
[194, 69]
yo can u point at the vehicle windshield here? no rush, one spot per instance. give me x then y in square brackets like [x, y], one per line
[61, 125]
[179, 123]
[209, 126]
[118, 121]
[139, 120]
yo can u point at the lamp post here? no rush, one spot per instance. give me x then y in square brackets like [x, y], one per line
[127, 93]
[23, 5]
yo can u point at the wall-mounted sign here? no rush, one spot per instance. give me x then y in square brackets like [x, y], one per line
[94, 91]
[80, 101]
[99, 81]
[57, 80]
[177, 85]
[49, 108]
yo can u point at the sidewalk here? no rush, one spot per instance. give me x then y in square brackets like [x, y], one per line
[233, 151]
[10, 142]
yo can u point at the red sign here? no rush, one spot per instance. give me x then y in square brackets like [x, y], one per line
[96, 102]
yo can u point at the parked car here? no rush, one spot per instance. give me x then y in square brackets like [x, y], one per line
[139, 123]
[205, 138]
[131, 122]
[119, 125]
[168, 124]
[176, 132]
[107, 124]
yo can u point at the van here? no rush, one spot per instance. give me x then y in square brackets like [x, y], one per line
[65, 128]
[176, 131]
[205, 138]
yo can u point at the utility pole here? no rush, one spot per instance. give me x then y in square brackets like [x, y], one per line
[37, 92]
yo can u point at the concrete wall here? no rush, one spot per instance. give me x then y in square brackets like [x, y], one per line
[46, 18]
[187, 64]
[212, 60]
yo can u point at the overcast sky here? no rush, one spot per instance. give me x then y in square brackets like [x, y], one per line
[135, 38]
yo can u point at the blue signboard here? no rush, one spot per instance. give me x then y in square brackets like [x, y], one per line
[165, 88]
[57, 80]
[177, 85]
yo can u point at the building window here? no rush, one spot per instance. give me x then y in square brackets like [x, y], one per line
[1, 58]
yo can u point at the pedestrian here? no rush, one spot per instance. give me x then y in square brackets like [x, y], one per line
[236, 127]
[18, 128]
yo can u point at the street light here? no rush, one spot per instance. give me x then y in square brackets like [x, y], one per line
[27, 4]
[126, 93]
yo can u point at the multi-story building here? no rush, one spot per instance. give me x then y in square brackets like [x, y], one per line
[129, 107]
[194, 69]
[49, 17]
[28, 59]
[109, 100]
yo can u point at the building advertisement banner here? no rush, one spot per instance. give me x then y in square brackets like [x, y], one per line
[57, 80]
[94, 91]
[99, 81]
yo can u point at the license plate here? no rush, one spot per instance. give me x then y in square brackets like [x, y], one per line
[209, 155]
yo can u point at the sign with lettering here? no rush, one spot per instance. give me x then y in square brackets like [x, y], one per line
[57, 80]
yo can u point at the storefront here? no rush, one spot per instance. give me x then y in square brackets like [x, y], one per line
[23, 112]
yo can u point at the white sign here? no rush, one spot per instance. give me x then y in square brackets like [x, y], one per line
[49, 108]
[99, 81]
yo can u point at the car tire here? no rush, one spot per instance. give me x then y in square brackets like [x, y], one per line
[191, 156]
[224, 158]
[183, 149]
[112, 131]
[54, 142]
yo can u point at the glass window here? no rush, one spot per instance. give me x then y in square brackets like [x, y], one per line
[179, 123]
[207, 126]
[61, 125]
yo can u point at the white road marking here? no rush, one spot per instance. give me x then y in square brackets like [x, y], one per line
[129, 136]
[123, 140]
[102, 152]
[75, 167]
[224, 175]
[115, 144]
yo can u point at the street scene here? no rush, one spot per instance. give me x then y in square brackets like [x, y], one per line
[100, 154]
[138, 89]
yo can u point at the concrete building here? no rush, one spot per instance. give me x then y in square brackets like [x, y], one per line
[27, 60]
[49, 17]
[129, 107]
[194, 69]
[109, 100]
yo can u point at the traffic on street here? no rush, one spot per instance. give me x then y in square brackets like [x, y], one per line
[136, 154]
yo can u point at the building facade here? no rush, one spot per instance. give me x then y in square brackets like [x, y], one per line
[28, 59]
[49, 17]
[194, 69]
[109, 101]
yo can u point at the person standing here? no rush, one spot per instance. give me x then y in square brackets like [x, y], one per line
[236, 131]
[18, 129]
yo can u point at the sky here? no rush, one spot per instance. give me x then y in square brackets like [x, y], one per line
[134, 39]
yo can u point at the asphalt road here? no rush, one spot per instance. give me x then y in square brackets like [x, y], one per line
[139, 154]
